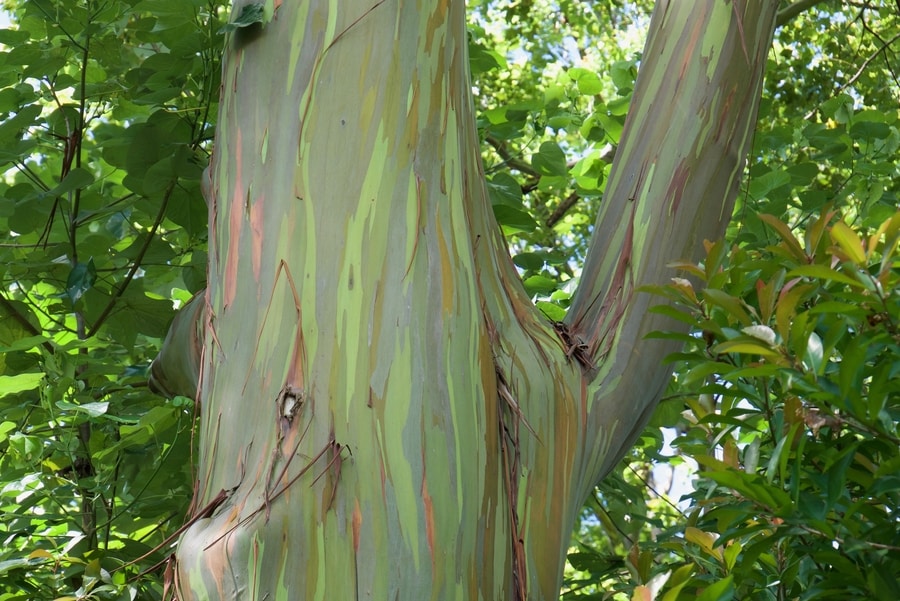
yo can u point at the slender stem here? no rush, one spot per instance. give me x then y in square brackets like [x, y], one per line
[107, 310]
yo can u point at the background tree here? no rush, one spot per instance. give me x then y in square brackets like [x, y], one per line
[79, 430]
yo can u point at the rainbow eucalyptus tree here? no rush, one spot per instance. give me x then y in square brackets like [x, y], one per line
[385, 415]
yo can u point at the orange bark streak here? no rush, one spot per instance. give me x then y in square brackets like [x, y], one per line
[356, 525]
[235, 214]
[257, 231]
[695, 35]
[429, 519]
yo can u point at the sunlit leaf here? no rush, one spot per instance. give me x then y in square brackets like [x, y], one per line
[95, 409]
[19, 383]
[588, 82]
[849, 242]
[723, 590]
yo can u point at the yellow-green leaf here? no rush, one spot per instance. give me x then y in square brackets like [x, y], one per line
[746, 347]
[849, 242]
[19, 383]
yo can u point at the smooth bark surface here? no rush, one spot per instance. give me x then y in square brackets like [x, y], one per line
[384, 413]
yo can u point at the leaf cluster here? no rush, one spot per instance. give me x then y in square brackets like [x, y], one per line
[784, 405]
[105, 113]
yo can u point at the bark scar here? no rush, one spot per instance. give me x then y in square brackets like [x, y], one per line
[574, 348]
[509, 418]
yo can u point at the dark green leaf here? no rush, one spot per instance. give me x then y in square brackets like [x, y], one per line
[529, 261]
[550, 160]
[251, 14]
[514, 219]
[80, 280]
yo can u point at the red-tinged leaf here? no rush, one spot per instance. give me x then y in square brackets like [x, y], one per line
[690, 268]
[815, 233]
[730, 453]
[642, 593]
[765, 294]
[787, 307]
[686, 288]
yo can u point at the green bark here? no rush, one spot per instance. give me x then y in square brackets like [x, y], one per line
[384, 413]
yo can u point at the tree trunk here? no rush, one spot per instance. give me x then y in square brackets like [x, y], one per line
[384, 413]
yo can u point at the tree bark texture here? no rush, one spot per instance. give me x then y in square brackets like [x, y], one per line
[384, 413]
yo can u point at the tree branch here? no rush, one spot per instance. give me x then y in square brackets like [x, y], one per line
[509, 159]
[792, 10]
[672, 185]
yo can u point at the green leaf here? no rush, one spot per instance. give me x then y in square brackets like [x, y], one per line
[623, 74]
[483, 59]
[870, 130]
[20, 563]
[24, 344]
[787, 236]
[732, 305]
[80, 280]
[504, 189]
[188, 211]
[26, 449]
[15, 126]
[679, 579]
[251, 14]
[836, 476]
[550, 160]
[814, 353]
[751, 486]
[19, 383]
[529, 261]
[611, 126]
[882, 583]
[824, 273]
[830, 107]
[95, 409]
[538, 284]
[553, 311]
[849, 242]
[723, 590]
[762, 185]
[513, 219]
[587, 81]
[13, 37]
[594, 563]
[75, 179]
